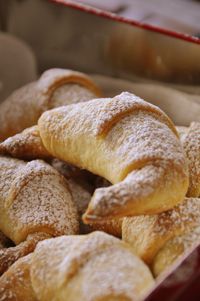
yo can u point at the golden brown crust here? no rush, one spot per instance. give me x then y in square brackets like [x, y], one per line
[113, 227]
[191, 144]
[26, 145]
[34, 198]
[148, 234]
[37, 198]
[140, 148]
[52, 79]
[10, 255]
[15, 284]
[25, 105]
[90, 267]
[131, 196]
[173, 249]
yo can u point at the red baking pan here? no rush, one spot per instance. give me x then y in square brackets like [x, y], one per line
[67, 34]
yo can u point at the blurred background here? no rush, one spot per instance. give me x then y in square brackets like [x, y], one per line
[179, 15]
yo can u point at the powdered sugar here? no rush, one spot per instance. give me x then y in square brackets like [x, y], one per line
[184, 216]
[118, 136]
[25, 105]
[26, 145]
[148, 233]
[191, 143]
[15, 284]
[70, 93]
[37, 198]
[175, 249]
[95, 263]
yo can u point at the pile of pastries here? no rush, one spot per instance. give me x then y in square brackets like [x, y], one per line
[99, 196]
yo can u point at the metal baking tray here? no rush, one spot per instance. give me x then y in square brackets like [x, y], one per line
[70, 35]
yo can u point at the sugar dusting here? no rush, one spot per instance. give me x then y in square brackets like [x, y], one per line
[149, 233]
[49, 201]
[25, 105]
[104, 265]
[191, 143]
[69, 94]
[37, 196]
[130, 133]
[27, 145]
[9, 168]
[183, 217]
[15, 284]
[10, 254]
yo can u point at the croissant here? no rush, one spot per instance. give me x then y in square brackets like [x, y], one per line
[94, 267]
[129, 142]
[150, 233]
[54, 88]
[113, 227]
[174, 249]
[35, 203]
[15, 283]
[26, 145]
[190, 138]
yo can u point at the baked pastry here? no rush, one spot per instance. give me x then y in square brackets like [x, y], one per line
[113, 227]
[15, 283]
[94, 267]
[35, 203]
[90, 267]
[174, 249]
[26, 145]
[182, 131]
[126, 140]
[54, 88]
[150, 233]
[191, 143]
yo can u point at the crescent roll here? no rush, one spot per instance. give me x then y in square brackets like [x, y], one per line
[129, 142]
[26, 145]
[151, 233]
[191, 143]
[93, 267]
[15, 283]
[35, 203]
[54, 88]
[173, 249]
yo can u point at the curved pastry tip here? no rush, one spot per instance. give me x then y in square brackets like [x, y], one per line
[89, 217]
